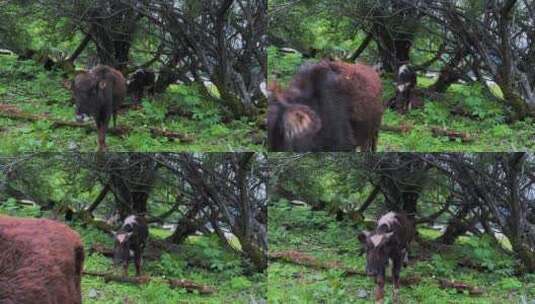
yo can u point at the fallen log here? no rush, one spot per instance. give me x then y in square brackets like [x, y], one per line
[303, 259]
[397, 129]
[151, 253]
[452, 135]
[460, 287]
[121, 279]
[178, 111]
[190, 286]
[171, 135]
[13, 112]
[99, 248]
[299, 258]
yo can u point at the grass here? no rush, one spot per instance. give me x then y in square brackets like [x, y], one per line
[222, 270]
[488, 128]
[317, 234]
[31, 89]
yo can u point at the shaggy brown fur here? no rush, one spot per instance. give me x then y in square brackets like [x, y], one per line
[41, 261]
[329, 106]
[99, 93]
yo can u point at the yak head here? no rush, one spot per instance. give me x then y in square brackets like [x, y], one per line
[121, 251]
[377, 246]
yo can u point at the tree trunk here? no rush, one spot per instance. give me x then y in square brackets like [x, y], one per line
[187, 225]
[80, 48]
[449, 74]
[363, 46]
[457, 225]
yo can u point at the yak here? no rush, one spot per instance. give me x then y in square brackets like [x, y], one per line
[99, 93]
[130, 241]
[41, 261]
[329, 106]
[389, 241]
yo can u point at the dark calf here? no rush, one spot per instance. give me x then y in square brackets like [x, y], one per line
[99, 93]
[130, 241]
[41, 261]
[140, 83]
[389, 241]
[405, 99]
[329, 106]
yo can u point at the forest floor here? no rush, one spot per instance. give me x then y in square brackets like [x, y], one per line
[320, 237]
[27, 89]
[463, 110]
[200, 259]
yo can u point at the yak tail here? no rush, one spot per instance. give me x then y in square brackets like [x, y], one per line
[79, 260]
[104, 91]
[105, 97]
[78, 268]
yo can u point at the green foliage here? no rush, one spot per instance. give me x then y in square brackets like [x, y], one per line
[436, 113]
[510, 284]
[283, 65]
[240, 282]
[14, 208]
[483, 252]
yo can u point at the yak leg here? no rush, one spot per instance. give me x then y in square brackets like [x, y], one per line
[380, 290]
[125, 267]
[405, 252]
[396, 268]
[114, 115]
[138, 262]
[102, 128]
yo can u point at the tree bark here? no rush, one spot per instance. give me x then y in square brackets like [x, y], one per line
[79, 49]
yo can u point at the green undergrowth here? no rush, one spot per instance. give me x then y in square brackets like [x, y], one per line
[200, 259]
[319, 235]
[28, 87]
[485, 125]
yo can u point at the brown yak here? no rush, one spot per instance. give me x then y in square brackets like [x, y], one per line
[99, 93]
[41, 261]
[329, 106]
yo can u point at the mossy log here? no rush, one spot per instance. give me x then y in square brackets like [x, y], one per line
[397, 129]
[141, 280]
[460, 286]
[452, 135]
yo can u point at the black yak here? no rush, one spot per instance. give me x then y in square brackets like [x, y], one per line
[130, 240]
[389, 241]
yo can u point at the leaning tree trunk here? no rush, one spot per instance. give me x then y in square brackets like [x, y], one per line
[458, 225]
[450, 73]
[188, 224]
